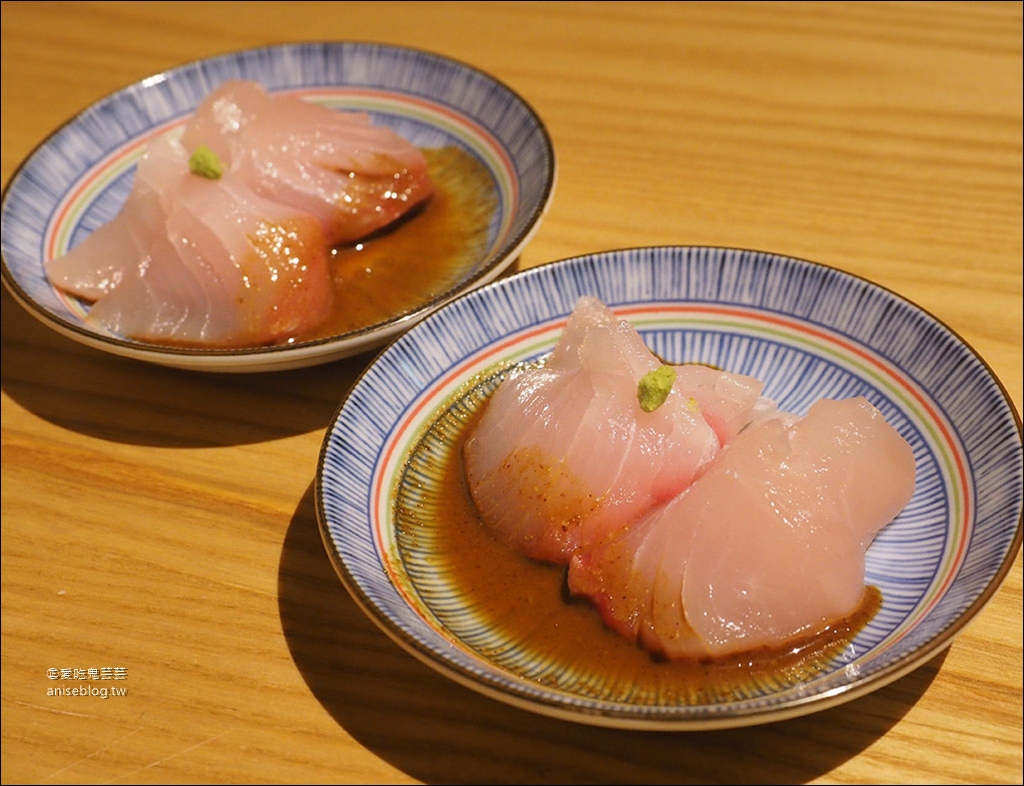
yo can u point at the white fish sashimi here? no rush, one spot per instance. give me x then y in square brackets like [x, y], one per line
[222, 116]
[714, 524]
[355, 176]
[196, 261]
[766, 546]
[729, 402]
[563, 454]
[236, 253]
[94, 267]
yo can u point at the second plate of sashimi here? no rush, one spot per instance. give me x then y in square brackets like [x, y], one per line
[674, 488]
[277, 207]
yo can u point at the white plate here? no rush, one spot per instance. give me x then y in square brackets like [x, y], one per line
[79, 177]
[808, 331]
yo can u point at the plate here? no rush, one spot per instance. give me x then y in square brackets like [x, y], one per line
[808, 331]
[79, 177]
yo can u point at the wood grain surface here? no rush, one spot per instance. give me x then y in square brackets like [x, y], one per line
[162, 522]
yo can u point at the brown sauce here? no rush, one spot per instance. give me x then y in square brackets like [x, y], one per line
[525, 607]
[419, 257]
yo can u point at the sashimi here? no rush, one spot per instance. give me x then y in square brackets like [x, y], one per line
[196, 261]
[729, 402]
[564, 454]
[767, 545]
[96, 266]
[225, 237]
[355, 176]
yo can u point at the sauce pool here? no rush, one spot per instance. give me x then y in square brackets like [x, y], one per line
[421, 256]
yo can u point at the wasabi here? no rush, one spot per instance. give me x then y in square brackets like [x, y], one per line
[205, 163]
[654, 388]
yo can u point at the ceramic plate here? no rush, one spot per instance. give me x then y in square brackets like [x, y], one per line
[80, 176]
[808, 331]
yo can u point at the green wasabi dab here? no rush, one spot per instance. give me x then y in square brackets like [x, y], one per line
[654, 388]
[205, 163]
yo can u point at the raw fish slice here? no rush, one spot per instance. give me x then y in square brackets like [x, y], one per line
[354, 176]
[221, 117]
[638, 458]
[729, 402]
[614, 574]
[263, 264]
[96, 265]
[611, 347]
[667, 630]
[545, 401]
[552, 407]
[633, 579]
[133, 255]
[599, 459]
[768, 544]
[604, 437]
[166, 303]
[821, 490]
[532, 399]
[223, 267]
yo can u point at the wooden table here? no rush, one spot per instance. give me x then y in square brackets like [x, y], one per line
[162, 522]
